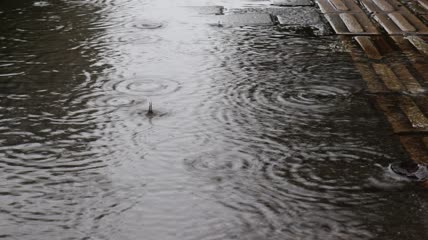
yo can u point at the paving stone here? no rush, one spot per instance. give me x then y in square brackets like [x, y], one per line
[407, 79]
[388, 76]
[303, 19]
[405, 75]
[305, 16]
[374, 85]
[417, 147]
[414, 114]
[246, 19]
[421, 68]
[207, 10]
[401, 23]
[410, 76]
[273, 10]
[292, 2]
[351, 23]
[337, 6]
[400, 78]
[383, 6]
[424, 4]
[419, 43]
[420, 7]
[404, 113]
[369, 47]
[413, 53]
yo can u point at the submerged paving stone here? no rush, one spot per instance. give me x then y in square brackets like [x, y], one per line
[351, 24]
[417, 147]
[246, 19]
[292, 2]
[405, 114]
[419, 43]
[397, 82]
[369, 47]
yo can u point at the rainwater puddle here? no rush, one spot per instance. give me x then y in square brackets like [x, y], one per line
[256, 133]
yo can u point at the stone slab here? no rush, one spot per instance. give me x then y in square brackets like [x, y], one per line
[400, 78]
[383, 6]
[351, 24]
[401, 23]
[407, 79]
[417, 147]
[273, 10]
[305, 16]
[424, 4]
[207, 10]
[405, 114]
[419, 43]
[369, 47]
[337, 6]
[245, 19]
[414, 113]
[293, 3]
[412, 52]
[388, 76]
[374, 85]
[303, 19]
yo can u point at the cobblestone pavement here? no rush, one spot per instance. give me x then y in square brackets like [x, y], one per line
[375, 31]
[388, 41]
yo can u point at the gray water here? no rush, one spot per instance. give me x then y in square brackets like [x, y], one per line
[256, 133]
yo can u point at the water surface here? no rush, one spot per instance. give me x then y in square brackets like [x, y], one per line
[256, 133]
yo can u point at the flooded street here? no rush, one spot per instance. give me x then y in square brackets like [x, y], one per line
[256, 132]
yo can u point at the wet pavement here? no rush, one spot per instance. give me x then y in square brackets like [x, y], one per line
[263, 126]
[392, 60]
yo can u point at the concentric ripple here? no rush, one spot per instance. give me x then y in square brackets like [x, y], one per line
[344, 170]
[313, 97]
[144, 86]
[147, 24]
[221, 161]
[115, 101]
[47, 23]
[296, 100]
[254, 133]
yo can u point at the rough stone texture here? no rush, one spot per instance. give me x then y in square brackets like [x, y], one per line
[207, 10]
[246, 19]
[269, 10]
[301, 18]
[292, 2]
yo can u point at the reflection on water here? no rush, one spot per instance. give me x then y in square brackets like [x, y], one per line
[256, 133]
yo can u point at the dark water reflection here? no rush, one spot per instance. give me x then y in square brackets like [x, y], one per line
[256, 134]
